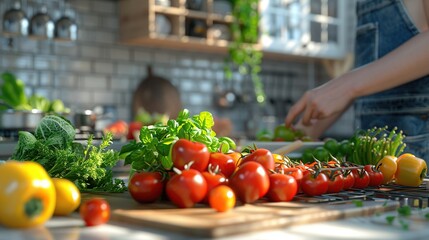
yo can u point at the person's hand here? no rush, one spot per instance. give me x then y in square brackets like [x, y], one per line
[322, 102]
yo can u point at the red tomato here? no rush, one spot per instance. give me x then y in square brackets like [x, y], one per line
[375, 176]
[250, 182]
[314, 185]
[185, 151]
[336, 183]
[348, 180]
[213, 180]
[95, 211]
[236, 156]
[225, 162]
[187, 188]
[146, 187]
[262, 156]
[133, 127]
[222, 198]
[283, 187]
[294, 172]
[361, 178]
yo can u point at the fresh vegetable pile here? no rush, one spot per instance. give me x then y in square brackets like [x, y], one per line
[29, 197]
[12, 93]
[153, 152]
[87, 165]
[282, 133]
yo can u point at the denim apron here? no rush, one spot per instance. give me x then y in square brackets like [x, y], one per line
[382, 26]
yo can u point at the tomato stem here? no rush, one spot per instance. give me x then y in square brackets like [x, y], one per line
[33, 208]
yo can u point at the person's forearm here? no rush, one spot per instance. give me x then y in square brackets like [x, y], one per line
[406, 63]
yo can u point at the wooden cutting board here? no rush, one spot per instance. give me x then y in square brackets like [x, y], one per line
[202, 221]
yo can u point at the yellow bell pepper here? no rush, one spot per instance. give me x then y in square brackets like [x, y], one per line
[387, 165]
[27, 194]
[411, 170]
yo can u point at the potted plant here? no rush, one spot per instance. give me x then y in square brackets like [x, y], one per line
[244, 54]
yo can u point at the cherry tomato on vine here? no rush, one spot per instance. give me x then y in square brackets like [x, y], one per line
[336, 182]
[262, 156]
[95, 211]
[222, 198]
[295, 173]
[186, 188]
[361, 178]
[314, 185]
[250, 181]
[225, 162]
[375, 176]
[348, 180]
[184, 151]
[146, 187]
[283, 187]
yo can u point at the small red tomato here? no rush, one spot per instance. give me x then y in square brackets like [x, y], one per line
[294, 172]
[225, 162]
[222, 198]
[348, 180]
[375, 176]
[213, 180]
[250, 182]
[146, 187]
[262, 156]
[335, 183]
[283, 187]
[185, 151]
[187, 188]
[361, 178]
[314, 185]
[95, 211]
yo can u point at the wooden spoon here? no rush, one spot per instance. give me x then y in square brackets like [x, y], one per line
[289, 148]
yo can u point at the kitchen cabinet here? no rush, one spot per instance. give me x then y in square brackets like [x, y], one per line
[179, 24]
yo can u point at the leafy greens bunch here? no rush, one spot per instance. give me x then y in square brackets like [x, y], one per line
[87, 165]
[153, 152]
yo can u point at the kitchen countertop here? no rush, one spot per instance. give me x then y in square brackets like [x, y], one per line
[72, 227]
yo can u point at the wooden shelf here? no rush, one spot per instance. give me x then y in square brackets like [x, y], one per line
[188, 28]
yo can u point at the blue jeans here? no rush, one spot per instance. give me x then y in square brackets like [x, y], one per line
[384, 25]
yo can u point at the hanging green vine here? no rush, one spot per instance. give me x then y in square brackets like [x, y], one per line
[243, 55]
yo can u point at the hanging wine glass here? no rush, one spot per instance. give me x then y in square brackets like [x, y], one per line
[15, 22]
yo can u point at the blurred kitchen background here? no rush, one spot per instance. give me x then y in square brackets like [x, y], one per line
[305, 43]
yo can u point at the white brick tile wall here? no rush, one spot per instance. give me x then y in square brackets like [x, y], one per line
[103, 6]
[120, 84]
[65, 80]
[104, 37]
[17, 60]
[88, 20]
[93, 82]
[89, 51]
[118, 53]
[66, 49]
[104, 67]
[46, 79]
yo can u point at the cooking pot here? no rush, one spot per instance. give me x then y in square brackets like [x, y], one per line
[20, 120]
